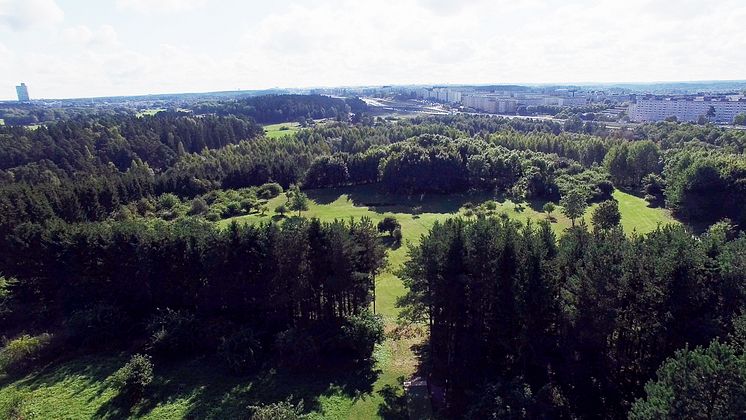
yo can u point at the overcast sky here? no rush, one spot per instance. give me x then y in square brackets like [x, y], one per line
[76, 48]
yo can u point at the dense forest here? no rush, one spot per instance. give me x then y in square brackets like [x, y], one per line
[110, 241]
[525, 326]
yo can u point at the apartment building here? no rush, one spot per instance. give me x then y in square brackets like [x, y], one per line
[687, 108]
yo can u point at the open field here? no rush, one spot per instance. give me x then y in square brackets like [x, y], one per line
[149, 112]
[202, 389]
[274, 131]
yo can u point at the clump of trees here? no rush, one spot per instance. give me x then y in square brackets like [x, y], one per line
[198, 289]
[574, 328]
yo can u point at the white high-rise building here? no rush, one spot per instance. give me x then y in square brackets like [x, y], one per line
[725, 108]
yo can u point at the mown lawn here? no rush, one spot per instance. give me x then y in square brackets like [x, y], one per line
[201, 389]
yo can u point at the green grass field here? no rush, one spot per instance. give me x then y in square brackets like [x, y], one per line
[149, 112]
[200, 389]
[274, 131]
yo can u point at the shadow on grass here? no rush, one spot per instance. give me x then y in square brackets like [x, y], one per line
[203, 388]
[390, 242]
[377, 199]
[214, 393]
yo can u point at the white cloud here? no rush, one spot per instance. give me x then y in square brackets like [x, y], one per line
[339, 42]
[104, 36]
[149, 7]
[19, 15]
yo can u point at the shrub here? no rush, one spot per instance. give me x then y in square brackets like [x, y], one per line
[490, 205]
[283, 410]
[174, 333]
[297, 349]
[396, 234]
[213, 216]
[24, 352]
[98, 325]
[134, 377]
[281, 209]
[247, 204]
[241, 351]
[199, 206]
[361, 333]
[168, 201]
[232, 209]
[269, 190]
[388, 224]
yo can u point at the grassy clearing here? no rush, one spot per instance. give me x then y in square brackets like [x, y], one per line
[149, 112]
[201, 389]
[274, 131]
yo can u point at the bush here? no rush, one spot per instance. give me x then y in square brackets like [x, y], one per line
[388, 224]
[168, 201]
[232, 209]
[490, 205]
[199, 206]
[283, 410]
[241, 351]
[297, 349]
[361, 333]
[24, 352]
[98, 325]
[174, 333]
[396, 234]
[269, 190]
[133, 378]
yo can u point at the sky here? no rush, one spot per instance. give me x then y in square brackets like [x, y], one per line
[76, 48]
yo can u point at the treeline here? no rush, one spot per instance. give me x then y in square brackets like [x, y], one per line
[188, 286]
[80, 144]
[525, 326]
[269, 109]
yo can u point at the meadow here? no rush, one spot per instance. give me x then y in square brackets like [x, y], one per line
[81, 388]
[274, 131]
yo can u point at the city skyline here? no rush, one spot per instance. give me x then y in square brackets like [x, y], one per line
[67, 48]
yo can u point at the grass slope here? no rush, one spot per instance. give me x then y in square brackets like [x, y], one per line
[80, 389]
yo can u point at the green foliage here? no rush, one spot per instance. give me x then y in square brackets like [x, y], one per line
[198, 207]
[134, 378]
[361, 332]
[269, 190]
[297, 349]
[298, 201]
[696, 384]
[389, 224]
[242, 351]
[174, 334]
[606, 215]
[100, 325]
[397, 235]
[6, 295]
[574, 204]
[13, 407]
[23, 352]
[548, 208]
[283, 410]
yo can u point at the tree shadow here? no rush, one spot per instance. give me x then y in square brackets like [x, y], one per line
[377, 199]
[213, 392]
[390, 242]
[394, 405]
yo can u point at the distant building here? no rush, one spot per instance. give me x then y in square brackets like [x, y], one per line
[687, 108]
[22, 91]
